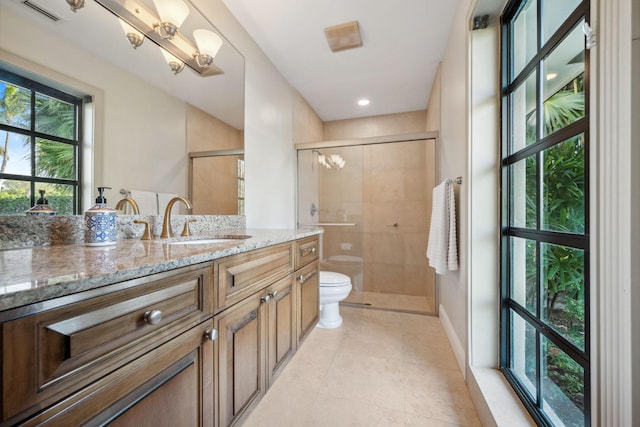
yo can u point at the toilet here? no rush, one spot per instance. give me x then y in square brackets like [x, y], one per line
[334, 287]
[345, 264]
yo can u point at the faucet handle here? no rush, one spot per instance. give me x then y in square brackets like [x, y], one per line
[146, 235]
[185, 230]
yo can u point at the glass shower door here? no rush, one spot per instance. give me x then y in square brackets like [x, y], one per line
[375, 211]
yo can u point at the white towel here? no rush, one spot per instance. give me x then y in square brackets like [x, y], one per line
[442, 250]
[163, 201]
[147, 201]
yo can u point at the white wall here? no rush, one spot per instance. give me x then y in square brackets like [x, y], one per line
[452, 163]
[134, 154]
[484, 204]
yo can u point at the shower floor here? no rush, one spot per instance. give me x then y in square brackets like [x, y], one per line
[396, 302]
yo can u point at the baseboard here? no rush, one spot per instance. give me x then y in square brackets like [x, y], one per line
[456, 345]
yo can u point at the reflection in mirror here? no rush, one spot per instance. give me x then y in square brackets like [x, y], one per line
[142, 112]
[216, 182]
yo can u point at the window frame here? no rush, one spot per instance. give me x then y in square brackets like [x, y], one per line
[40, 88]
[509, 83]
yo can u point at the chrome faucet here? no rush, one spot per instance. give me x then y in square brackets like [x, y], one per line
[134, 205]
[166, 223]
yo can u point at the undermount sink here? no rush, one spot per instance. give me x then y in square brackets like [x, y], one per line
[207, 241]
[199, 242]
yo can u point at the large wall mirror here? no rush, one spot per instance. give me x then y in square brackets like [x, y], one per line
[213, 109]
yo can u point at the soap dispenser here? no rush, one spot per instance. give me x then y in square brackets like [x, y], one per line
[41, 207]
[100, 223]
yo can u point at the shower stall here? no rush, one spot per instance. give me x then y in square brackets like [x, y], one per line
[373, 200]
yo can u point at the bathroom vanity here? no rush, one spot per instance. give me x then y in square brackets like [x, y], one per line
[149, 332]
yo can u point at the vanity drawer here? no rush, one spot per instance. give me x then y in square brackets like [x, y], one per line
[54, 348]
[307, 250]
[238, 276]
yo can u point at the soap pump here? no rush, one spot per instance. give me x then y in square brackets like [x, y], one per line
[41, 207]
[100, 223]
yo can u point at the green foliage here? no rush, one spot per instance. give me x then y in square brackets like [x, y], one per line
[53, 159]
[562, 209]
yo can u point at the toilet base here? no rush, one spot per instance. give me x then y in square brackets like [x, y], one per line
[330, 316]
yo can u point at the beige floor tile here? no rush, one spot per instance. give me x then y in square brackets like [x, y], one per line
[329, 411]
[381, 369]
[368, 379]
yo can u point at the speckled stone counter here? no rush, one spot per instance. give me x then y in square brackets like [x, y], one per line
[36, 274]
[29, 231]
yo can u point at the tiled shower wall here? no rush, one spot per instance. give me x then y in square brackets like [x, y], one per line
[385, 189]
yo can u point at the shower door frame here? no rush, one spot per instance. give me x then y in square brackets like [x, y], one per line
[435, 136]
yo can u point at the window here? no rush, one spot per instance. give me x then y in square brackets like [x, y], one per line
[39, 146]
[545, 224]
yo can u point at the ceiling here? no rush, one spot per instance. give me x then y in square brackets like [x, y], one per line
[403, 42]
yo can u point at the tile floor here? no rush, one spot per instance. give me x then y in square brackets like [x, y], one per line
[381, 368]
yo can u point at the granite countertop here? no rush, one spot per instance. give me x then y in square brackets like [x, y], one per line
[39, 273]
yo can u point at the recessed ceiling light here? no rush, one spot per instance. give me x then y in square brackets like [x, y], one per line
[362, 102]
[552, 76]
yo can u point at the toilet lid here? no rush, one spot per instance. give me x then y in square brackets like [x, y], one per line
[345, 259]
[331, 278]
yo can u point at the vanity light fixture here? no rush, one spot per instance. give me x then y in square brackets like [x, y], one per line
[174, 63]
[172, 15]
[75, 4]
[209, 44]
[134, 36]
[198, 55]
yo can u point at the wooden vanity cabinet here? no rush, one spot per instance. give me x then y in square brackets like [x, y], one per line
[171, 385]
[307, 278]
[256, 337]
[82, 353]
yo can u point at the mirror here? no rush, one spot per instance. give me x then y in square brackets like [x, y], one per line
[214, 102]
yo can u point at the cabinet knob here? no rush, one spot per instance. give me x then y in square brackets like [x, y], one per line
[303, 279]
[265, 299]
[273, 294]
[211, 334]
[153, 317]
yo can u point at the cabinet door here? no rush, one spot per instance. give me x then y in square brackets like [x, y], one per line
[169, 386]
[282, 325]
[241, 355]
[308, 292]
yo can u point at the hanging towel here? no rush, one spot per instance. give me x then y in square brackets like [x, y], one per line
[442, 249]
[146, 200]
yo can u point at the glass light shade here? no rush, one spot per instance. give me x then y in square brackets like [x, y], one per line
[173, 11]
[176, 64]
[208, 42]
[135, 37]
[128, 28]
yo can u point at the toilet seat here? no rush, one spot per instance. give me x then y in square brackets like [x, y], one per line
[331, 278]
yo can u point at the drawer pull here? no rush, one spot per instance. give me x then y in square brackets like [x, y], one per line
[273, 294]
[211, 334]
[303, 279]
[265, 299]
[153, 317]
[307, 251]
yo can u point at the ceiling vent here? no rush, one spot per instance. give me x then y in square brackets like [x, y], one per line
[343, 36]
[41, 11]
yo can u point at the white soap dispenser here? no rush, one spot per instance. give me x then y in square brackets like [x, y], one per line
[100, 223]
